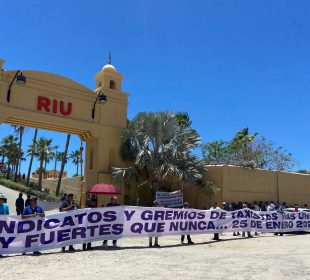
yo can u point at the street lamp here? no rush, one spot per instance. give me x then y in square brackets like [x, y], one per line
[102, 98]
[20, 79]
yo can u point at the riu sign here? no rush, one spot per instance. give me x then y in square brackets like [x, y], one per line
[55, 106]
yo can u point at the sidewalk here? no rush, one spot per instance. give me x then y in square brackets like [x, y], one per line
[48, 206]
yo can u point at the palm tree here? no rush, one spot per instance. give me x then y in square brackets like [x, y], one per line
[11, 151]
[48, 157]
[63, 162]
[31, 155]
[183, 118]
[56, 158]
[2, 153]
[41, 150]
[19, 130]
[59, 156]
[75, 156]
[160, 150]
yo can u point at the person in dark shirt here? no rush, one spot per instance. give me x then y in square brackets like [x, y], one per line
[68, 205]
[111, 204]
[27, 202]
[156, 244]
[20, 204]
[189, 240]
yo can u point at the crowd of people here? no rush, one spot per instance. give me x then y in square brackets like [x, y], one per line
[29, 208]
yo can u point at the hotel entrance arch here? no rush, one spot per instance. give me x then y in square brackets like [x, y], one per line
[53, 102]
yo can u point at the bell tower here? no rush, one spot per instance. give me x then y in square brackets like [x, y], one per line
[109, 78]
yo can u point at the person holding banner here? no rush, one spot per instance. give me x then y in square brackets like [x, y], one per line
[245, 205]
[4, 208]
[155, 204]
[33, 211]
[111, 204]
[189, 240]
[68, 205]
[216, 234]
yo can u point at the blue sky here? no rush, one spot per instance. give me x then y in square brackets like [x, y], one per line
[229, 64]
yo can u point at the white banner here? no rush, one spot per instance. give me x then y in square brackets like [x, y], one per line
[85, 225]
[170, 199]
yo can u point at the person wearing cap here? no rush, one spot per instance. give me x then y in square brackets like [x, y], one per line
[4, 208]
[155, 204]
[186, 205]
[32, 211]
[68, 205]
[112, 203]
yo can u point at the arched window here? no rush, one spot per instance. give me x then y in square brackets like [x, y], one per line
[112, 85]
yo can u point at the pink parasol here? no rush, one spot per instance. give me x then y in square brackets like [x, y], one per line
[104, 189]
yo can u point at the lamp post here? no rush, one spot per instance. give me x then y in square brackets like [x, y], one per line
[20, 79]
[102, 99]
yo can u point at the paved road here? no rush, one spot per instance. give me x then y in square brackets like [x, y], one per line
[49, 207]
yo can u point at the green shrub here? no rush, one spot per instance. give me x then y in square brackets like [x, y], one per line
[28, 190]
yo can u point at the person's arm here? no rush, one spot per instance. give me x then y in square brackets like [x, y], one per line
[41, 213]
[27, 216]
[63, 208]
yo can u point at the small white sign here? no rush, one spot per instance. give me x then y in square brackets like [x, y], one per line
[170, 199]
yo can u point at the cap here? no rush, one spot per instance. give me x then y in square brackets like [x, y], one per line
[2, 196]
[155, 202]
[33, 198]
[224, 203]
[113, 197]
[186, 204]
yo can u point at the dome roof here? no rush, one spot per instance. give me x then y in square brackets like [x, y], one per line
[109, 67]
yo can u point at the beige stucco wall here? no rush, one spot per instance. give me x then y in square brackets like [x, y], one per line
[68, 185]
[243, 184]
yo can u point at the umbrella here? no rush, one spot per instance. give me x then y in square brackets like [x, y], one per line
[104, 189]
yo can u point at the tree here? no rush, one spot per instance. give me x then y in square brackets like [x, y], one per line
[215, 152]
[19, 130]
[31, 153]
[2, 153]
[41, 150]
[11, 152]
[183, 118]
[63, 162]
[58, 156]
[75, 156]
[248, 151]
[160, 150]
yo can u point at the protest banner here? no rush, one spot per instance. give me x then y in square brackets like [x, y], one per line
[170, 199]
[85, 225]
